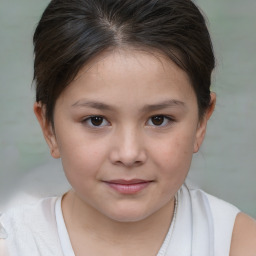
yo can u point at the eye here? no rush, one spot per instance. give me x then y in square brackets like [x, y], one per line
[96, 121]
[159, 120]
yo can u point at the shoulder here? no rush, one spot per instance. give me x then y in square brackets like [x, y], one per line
[20, 219]
[218, 208]
[42, 207]
[234, 232]
[244, 236]
[28, 215]
[221, 217]
[3, 248]
[28, 229]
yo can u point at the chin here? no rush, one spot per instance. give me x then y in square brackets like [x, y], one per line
[127, 219]
[128, 215]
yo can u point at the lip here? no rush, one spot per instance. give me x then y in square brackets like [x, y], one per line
[128, 186]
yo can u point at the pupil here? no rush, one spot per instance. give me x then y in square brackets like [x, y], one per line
[96, 120]
[157, 120]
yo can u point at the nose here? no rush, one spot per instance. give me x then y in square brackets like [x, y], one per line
[128, 149]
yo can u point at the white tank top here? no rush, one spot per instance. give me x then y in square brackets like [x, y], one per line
[203, 226]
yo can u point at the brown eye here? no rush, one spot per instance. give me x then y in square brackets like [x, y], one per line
[97, 120]
[157, 120]
[160, 121]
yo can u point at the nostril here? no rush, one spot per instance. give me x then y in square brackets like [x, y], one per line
[138, 163]
[129, 151]
[129, 161]
[128, 164]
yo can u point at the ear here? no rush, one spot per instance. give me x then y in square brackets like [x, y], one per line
[201, 129]
[47, 129]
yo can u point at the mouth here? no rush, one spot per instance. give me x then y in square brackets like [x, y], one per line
[128, 186]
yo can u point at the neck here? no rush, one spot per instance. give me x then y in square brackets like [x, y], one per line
[82, 219]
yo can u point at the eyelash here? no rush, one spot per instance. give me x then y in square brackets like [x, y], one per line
[88, 122]
[167, 120]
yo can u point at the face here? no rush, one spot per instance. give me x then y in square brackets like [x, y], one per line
[126, 129]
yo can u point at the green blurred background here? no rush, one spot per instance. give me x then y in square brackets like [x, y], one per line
[225, 165]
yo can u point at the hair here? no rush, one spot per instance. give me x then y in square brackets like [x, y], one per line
[70, 33]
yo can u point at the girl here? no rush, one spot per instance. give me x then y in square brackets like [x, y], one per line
[123, 98]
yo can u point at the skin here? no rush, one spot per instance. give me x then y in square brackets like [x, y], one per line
[125, 144]
[244, 236]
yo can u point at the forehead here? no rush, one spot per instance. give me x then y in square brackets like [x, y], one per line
[130, 75]
[131, 60]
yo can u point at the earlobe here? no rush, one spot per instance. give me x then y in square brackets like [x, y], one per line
[47, 129]
[201, 130]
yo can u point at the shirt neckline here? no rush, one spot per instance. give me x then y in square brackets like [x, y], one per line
[62, 230]
[66, 243]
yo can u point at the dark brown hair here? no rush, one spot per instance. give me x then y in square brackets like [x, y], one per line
[72, 32]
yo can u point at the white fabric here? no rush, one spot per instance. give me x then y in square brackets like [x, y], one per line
[62, 231]
[32, 230]
[203, 226]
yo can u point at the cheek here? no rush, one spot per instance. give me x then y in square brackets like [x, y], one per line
[81, 160]
[174, 156]
[176, 148]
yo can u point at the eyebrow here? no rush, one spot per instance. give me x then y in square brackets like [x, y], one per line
[150, 107]
[164, 104]
[92, 104]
